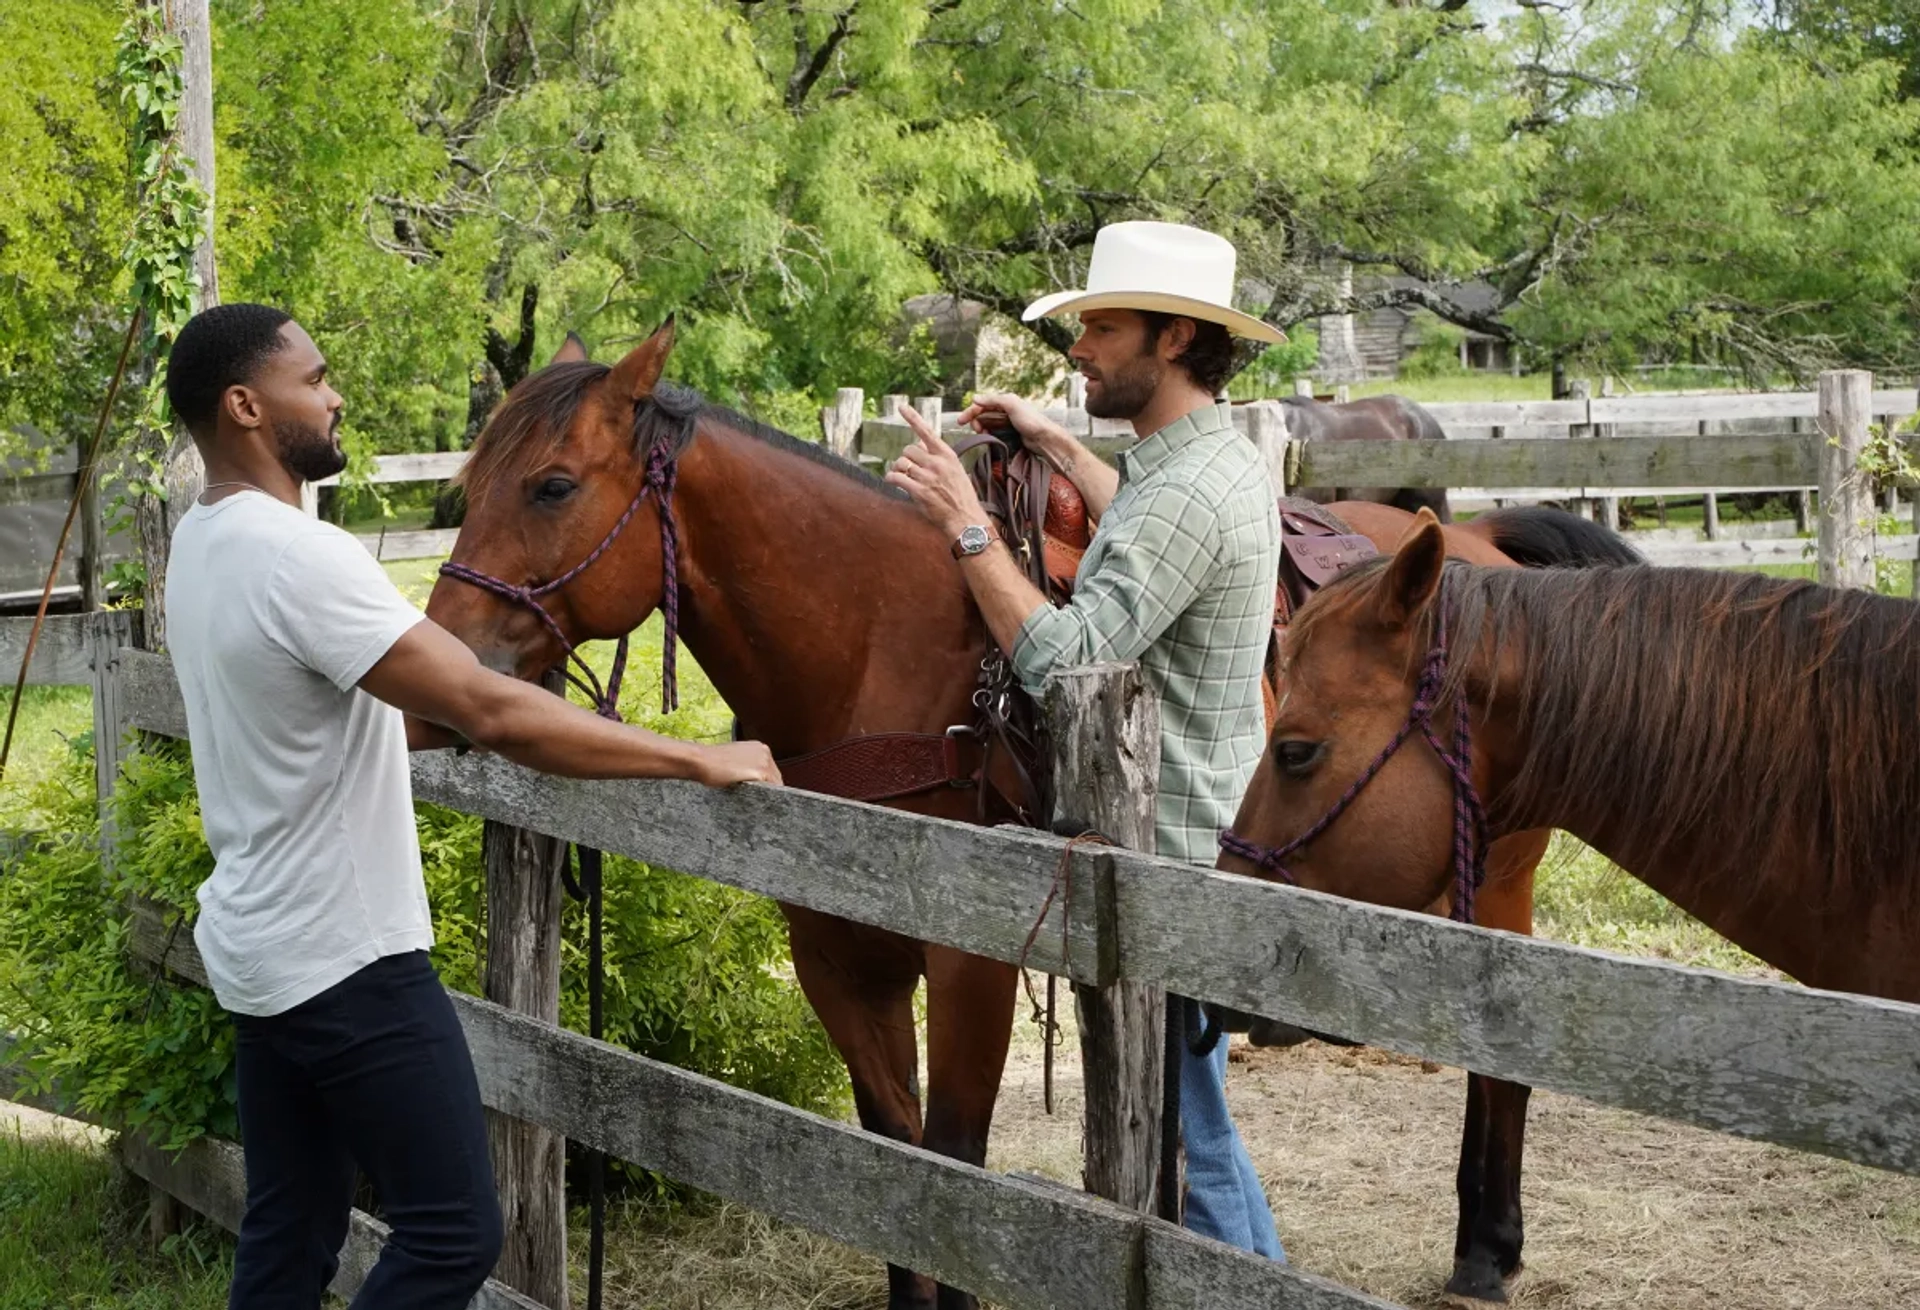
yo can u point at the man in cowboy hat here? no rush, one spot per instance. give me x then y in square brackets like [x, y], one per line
[1179, 577]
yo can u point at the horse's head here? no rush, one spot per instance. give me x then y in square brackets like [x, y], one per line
[560, 463]
[1354, 656]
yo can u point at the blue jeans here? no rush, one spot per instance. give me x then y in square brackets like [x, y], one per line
[373, 1071]
[1224, 1199]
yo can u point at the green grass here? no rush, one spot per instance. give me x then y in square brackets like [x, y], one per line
[74, 1235]
[50, 717]
[1528, 386]
[1582, 898]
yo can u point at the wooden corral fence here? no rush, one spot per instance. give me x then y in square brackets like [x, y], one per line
[1536, 460]
[1516, 472]
[1819, 1071]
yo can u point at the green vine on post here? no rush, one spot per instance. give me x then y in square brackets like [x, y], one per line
[169, 225]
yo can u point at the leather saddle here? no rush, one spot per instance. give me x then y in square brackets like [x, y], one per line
[1315, 548]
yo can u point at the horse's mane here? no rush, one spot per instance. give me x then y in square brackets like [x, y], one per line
[543, 406]
[1734, 715]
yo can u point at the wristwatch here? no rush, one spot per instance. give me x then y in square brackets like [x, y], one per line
[973, 539]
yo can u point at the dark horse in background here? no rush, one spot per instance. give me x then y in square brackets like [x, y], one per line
[1377, 418]
[823, 606]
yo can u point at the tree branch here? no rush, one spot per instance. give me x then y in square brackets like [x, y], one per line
[807, 68]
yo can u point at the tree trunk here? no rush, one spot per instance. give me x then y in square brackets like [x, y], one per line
[182, 474]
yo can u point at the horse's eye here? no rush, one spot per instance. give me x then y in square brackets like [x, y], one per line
[553, 490]
[1297, 758]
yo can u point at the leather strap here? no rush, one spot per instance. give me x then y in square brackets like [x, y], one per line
[885, 766]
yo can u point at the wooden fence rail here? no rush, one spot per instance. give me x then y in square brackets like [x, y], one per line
[1821, 1071]
[1019, 1242]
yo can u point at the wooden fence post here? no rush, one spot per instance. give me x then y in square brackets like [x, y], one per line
[1303, 387]
[1847, 510]
[92, 544]
[1802, 499]
[840, 421]
[1105, 725]
[929, 408]
[523, 974]
[1609, 505]
[1267, 430]
[1076, 390]
[1710, 501]
[891, 405]
[1581, 389]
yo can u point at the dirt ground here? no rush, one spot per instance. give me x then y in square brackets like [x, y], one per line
[1357, 1149]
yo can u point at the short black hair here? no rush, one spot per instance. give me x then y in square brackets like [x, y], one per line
[219, 348]
[1208, 358]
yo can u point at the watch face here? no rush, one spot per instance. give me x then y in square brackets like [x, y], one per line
[973, 540]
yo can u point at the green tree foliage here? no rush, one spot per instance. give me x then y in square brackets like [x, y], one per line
[441, 188]
[64, 212]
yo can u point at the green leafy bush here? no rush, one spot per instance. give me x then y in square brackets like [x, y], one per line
[697, 973]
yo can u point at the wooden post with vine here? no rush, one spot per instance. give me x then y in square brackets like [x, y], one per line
[164, 66]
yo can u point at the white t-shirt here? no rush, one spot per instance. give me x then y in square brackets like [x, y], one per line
[272, 619]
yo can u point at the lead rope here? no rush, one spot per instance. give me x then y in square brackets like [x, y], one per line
[588, 889]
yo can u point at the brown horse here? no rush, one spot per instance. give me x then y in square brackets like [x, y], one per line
[1743, 745]
[821, 605]
[1375, 418]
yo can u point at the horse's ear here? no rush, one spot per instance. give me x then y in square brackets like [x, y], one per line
[633, 378]
[1423, 516]
[1414, 575]
[572, 351]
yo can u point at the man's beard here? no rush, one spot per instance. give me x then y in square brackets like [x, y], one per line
[306, 452]
[1126, 391]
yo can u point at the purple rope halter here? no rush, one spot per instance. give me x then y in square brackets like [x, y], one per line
[659, 479]
[1469, 816]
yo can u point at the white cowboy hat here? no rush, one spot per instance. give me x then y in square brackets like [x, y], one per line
[1168, 267]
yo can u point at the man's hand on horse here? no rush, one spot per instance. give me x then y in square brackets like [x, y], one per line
[935, 479]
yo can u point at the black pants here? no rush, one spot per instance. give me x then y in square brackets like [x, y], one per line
[375, 1071]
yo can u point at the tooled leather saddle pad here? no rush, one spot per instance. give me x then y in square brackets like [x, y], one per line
[1315, 548]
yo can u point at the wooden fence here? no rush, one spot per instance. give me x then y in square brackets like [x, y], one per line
[1522, 468]
[1820, 1071]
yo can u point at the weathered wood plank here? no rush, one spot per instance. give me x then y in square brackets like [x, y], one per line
[210, 1177]
[1696, 409]
[840, 857]
[1104, 724]
[997, 1237]
[1820, 1071]
[1187, 1272]
[149, 696]
[1016, 1242]
[108, 635]
[433, 467]
[61, 658]
[1847, 511]
[1508, 413]
[1727, 463]
[901, 1204]
[523, 872]
[1741, 551]
[35, 488]
[428, 543]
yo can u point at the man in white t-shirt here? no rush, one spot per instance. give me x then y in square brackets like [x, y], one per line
[307, 677]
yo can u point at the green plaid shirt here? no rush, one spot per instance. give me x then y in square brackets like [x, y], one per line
[1180, 577]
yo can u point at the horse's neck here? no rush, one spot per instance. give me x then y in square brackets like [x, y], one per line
[819, 607]
[1687, 869]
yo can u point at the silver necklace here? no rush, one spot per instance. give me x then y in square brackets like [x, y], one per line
[250, 486]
